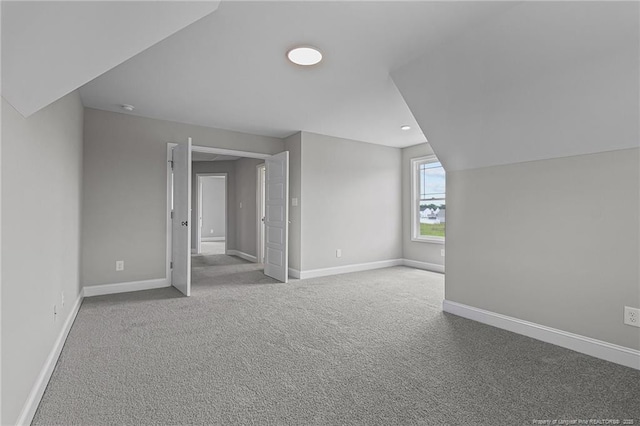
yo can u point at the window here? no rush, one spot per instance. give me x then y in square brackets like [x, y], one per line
[429, 200]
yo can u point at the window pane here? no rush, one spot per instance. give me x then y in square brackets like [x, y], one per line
[432, 218]
[432, 180]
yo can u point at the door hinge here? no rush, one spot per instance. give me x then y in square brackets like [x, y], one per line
[171, 162]
[170, 265]
[171, 215]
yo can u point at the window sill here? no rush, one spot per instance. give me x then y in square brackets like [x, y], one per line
[432, 240]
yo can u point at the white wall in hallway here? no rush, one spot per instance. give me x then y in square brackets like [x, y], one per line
[213, 207]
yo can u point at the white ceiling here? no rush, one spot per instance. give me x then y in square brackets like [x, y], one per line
[541, 80]
[50, 48]
[229, 70]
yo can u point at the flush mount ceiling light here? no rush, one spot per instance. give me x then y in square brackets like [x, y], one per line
[127, 107]
[304, 55]
[405, 127]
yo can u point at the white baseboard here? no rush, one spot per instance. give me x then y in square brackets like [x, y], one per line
[32, 402]
[586, 345]
[211, 239]
[243, 255]
[99, 290]
[358, 267]
[424, 265]
[294, 273]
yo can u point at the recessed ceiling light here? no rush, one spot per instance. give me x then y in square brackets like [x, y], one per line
[127, 107]
[405, 127]
[304, 55]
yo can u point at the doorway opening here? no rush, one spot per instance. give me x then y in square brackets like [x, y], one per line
[254, 207]
[211, 208]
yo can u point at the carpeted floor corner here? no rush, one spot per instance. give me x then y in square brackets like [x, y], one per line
[368, 348]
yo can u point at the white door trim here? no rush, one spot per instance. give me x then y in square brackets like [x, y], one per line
[231, 152]
[259, 213]
[199, 177]
[169, 231]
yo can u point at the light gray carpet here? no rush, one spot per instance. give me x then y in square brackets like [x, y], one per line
[368, 348]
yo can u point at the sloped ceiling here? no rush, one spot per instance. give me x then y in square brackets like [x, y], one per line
[50, 48]
[541, 80]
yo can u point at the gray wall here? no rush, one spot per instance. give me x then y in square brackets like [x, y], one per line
[554, 242]
[228, 167]
[214, 207]
[352, 201]
[293, 144]
[415, 250]
[40, 239]
[246, 191]
[124, 205]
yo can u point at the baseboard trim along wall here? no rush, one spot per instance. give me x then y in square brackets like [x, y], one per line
[99, 290]
[243, 255]
[586, 345]
[357, 267]
[32, 402]
[210, 239]
[294, 273]
[424, 265]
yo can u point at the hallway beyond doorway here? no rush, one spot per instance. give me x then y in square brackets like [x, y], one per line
[212, 247]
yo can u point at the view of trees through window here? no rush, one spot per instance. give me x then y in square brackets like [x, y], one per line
[432, 202]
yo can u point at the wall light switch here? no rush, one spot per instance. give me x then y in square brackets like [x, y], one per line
[240, 204]
[119, 265]
[442, 252]
[338, 252]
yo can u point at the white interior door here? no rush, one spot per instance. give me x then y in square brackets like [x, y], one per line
[199, 224]
[181, 226]
[276, 221]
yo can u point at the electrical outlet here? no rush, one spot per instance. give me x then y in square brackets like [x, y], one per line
[62, 299]
[338, 253]
[119, 265]
[294, 202]
[442, 252]
[632, 316]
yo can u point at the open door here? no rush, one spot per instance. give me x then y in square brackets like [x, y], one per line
[276, 221]
[181, 220]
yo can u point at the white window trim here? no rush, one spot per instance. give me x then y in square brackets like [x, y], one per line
[415, 200]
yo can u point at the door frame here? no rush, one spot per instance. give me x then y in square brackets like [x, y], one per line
[170, 147]
[198, 208]
[260, 199]
[195, 148]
